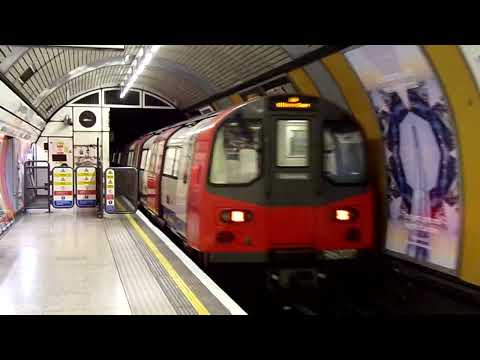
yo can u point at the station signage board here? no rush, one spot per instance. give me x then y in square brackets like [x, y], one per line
[62, 187]
[110, 191]
[86, 186]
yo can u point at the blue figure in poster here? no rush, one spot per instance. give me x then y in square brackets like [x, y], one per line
[422, 170]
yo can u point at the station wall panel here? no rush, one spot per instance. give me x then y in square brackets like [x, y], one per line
[62, 113]
[57, 129]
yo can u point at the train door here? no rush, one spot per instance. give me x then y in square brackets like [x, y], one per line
[180, 204]
[185, 165]
[148, 183]
[170, 180]
[292, 179]
[152, 178]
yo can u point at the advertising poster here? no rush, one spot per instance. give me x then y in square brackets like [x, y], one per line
[23, 151]
[6, 207]
[421, 152]
[85, 155]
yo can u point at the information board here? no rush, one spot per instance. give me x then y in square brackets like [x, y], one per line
[62, 187]
[110, 193]
[86, 186]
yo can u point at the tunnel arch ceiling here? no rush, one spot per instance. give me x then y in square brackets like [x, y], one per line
[48, 77]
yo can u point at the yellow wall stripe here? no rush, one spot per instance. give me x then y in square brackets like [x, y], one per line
[303, 83]
[359, 104]
[464, 100]
[196, 303]
[236, 99]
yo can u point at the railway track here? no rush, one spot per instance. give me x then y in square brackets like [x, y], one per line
[340, 294]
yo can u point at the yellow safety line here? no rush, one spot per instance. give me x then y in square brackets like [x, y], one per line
[196, 303]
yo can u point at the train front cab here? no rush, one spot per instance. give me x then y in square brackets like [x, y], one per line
[283, 177]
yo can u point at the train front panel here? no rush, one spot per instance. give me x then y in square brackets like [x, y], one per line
[279, 174]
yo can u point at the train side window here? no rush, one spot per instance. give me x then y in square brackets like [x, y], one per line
[344, 154]
[158, 165]
[237, 151]
[148, 163]
[143, 161]
[292, 143]
[188, 158]
[151, 158]
[176, 163]
[169, 161]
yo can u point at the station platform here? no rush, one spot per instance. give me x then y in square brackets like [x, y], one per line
[69, 262]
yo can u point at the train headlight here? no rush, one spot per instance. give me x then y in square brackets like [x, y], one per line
[345, 215]
[236, 216]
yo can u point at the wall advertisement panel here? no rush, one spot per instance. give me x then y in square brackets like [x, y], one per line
[421, 152]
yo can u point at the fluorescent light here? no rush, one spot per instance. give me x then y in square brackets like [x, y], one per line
[155, 48]
[147, 58]
[134, 63]
[129, 71]
[140, 68]
[140, 53]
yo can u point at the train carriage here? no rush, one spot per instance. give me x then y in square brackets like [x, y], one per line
[279, 175]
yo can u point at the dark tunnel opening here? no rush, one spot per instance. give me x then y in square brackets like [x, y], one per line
[126, 125]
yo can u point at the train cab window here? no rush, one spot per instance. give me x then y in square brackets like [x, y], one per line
[237, 151]
[292, 143]
[344, 153]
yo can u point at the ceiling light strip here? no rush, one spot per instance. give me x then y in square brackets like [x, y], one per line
[138, 65]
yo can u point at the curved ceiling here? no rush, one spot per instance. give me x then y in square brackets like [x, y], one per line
[183, 74]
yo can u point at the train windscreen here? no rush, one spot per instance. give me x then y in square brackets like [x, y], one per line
[344, 153]
[237, 151]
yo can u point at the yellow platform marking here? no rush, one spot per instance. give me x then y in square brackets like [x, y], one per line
[196, 303]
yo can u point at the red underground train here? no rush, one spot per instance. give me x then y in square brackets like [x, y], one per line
[278, 176]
